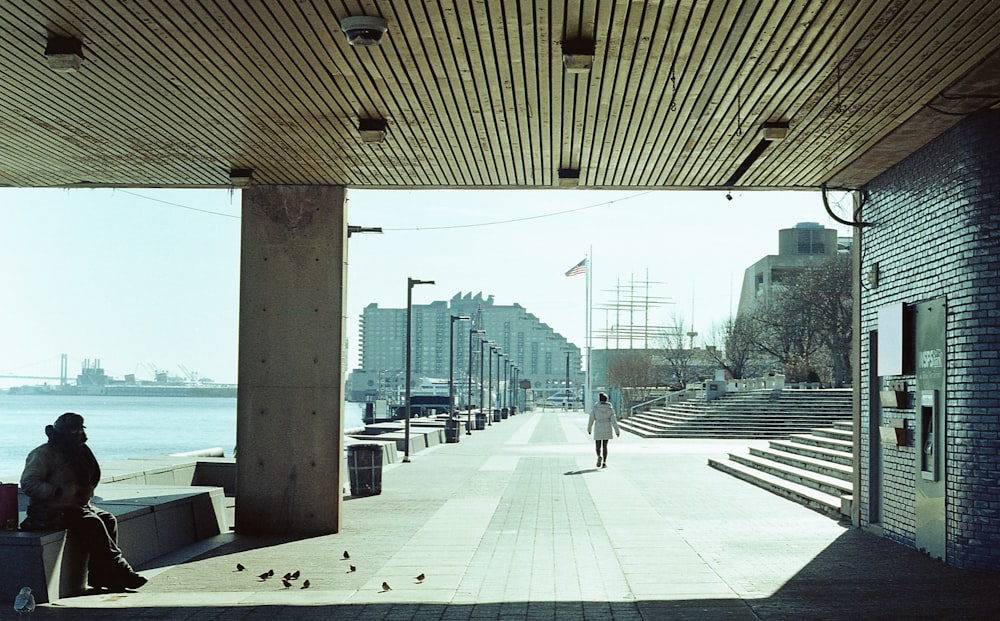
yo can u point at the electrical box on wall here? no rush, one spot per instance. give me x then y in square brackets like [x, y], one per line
[894, 433]
[894, 395]
[895, 340]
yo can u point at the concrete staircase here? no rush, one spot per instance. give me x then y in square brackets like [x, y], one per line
[813, 469]
[746, 414]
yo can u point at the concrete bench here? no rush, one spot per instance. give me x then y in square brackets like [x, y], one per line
[153, 520]
[420, 438]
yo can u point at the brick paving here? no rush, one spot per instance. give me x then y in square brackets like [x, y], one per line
[515, 522]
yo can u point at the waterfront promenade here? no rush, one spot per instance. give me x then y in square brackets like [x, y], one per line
[515, 522]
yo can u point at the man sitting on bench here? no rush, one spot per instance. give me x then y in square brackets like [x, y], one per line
[59, 479]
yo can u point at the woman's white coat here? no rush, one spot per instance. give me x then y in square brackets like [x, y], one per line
[603, 421]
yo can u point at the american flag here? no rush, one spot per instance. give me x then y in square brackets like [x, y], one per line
[579, 268]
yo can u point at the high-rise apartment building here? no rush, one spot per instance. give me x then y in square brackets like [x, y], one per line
[543, 356]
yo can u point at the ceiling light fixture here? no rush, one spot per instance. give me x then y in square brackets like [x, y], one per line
[774, 131]
[240, 177]
[578, 55]
[63, 54]
[569, 177]
[770, 133]
[372, 130]
[363, 30]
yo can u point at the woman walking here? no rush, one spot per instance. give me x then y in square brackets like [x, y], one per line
[602, 422]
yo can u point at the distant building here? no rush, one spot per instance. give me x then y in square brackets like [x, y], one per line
[806, 245]
[540, 353]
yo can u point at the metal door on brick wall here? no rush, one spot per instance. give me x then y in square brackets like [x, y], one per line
[930, 473]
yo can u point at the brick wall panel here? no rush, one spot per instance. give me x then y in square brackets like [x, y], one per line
[937, 234]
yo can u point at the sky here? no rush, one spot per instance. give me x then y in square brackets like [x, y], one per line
[145, 279]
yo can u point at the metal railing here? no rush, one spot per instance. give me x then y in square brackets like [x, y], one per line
[665, 399]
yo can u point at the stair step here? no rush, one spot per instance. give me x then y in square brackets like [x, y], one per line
[846, 435]
[816, 452]
[845, 446]
[812, 464]
[829, 485]
[814, 499]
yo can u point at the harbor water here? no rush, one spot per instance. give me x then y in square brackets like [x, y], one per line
[121, 428]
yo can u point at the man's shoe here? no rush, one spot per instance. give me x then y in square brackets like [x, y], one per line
[126, 579]
[134, 581]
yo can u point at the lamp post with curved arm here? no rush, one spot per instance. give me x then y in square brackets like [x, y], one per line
[451, 362]
[410, 282]
[489, 390]
[482, 347]
[468, 404]
[513, 389]
[500, 355]
[506, 383]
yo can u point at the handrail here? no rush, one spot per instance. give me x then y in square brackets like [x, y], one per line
[667, 399]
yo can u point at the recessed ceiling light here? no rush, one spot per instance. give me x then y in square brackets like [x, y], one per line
[63, 54]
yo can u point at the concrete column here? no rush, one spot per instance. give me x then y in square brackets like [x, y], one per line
[290, 401]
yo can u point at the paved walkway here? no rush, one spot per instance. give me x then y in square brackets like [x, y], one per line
[515, 522]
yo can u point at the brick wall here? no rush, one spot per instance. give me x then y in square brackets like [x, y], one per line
[937, 234]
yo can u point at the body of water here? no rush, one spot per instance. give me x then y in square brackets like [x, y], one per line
[121, 428]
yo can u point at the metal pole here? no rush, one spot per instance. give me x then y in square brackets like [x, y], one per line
[451, 362]
[499, 356]
[409, 328]
[506, 382]
[567, 393]
[482, 346]
[489, 392]
[468, 404]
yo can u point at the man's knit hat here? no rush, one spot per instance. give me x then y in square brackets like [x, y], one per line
[68, 422]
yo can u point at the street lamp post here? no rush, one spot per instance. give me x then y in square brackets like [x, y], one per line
[410, 282]
[489, 389]
[451, 362]
[468, 404]
[482, 347]
[506, 383]
[567, 394]
[499, 392]
[517, 382]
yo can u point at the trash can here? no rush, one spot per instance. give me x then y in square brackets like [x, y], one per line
[8, 506]
[504, 413]
[364, 464]
[496, 416]
[480, 421]
[451, 430]
[513, 410]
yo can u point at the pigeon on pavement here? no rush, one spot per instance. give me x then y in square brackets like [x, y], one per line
[346, 555]
[25, 601]
[420, 578]
[240, 567]
[386, 587]
[305, 584]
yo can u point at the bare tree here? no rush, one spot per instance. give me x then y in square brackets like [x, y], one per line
[634, 373]
[733, 347]
[806, 324]
[828, 290]
[678, 366]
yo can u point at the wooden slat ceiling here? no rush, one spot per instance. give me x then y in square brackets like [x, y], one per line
[475, 94]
